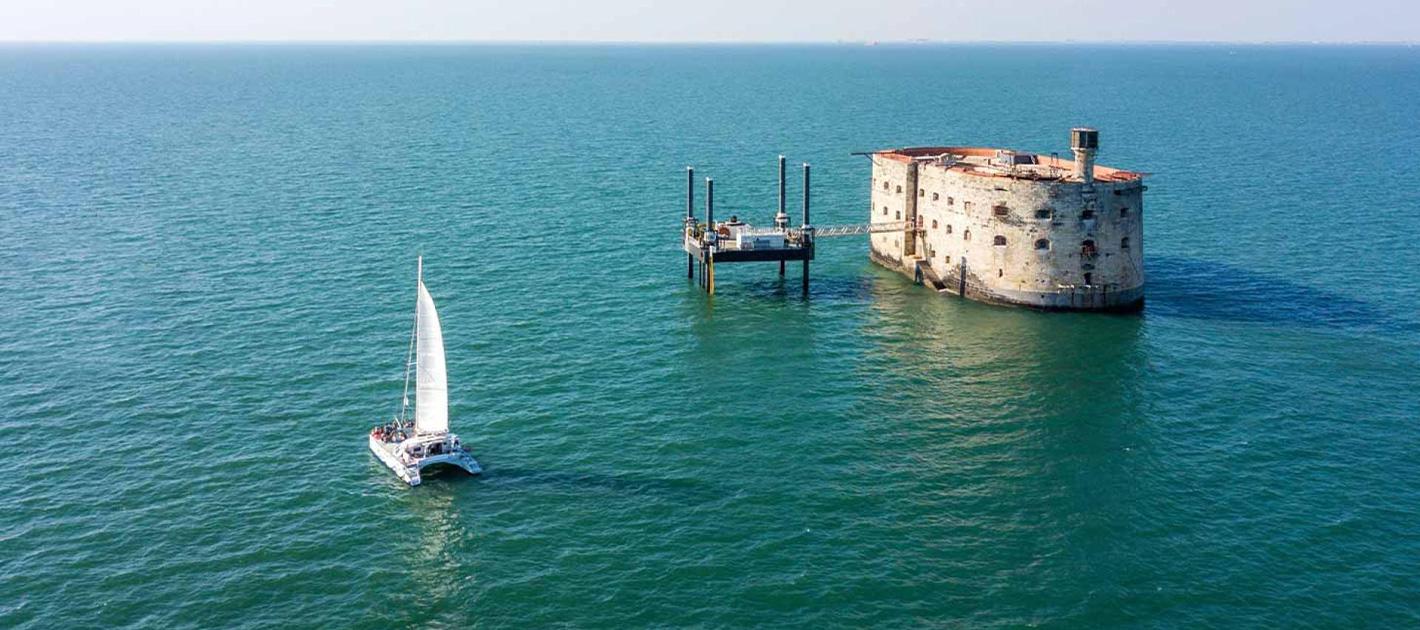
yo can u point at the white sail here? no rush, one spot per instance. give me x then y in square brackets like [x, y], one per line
[431, 391]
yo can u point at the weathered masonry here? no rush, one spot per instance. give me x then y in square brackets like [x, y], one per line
[1014, 228]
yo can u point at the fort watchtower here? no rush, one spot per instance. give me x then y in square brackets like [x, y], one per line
[1010, 227]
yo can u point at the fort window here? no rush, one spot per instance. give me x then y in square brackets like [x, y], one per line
[1000, 273]
[899, 190]
[949, 228]
[1087, 215]
[1123, 212]
[966, 206]
[966, 236]
[1089, 279]
[951, 201]
[921, 192]
[885, 185]
[1043, 213]
[934, 224]
[1000, 211]
[1087, 248]
[884, 210]
[999, 241]
[899, 215]
[1124, 243]
[936, 196]
[1042, 244]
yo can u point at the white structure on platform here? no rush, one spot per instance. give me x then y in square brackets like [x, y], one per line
[408, 446]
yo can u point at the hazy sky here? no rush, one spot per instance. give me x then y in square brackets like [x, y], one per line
[712, 20]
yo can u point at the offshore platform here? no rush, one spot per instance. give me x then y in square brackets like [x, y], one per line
[735, 241]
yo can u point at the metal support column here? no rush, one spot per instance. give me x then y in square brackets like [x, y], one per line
[806, 230]
[781, 220]
[711, 236]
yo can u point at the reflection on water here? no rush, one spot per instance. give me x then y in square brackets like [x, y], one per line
[1019, 429]
[971, 362]
[433, 552]
[755, 324]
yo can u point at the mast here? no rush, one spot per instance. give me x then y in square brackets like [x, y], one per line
[413, 335]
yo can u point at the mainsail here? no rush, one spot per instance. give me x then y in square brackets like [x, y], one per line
[431, 393]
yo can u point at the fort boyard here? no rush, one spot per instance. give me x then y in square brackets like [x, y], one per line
[1013, 228]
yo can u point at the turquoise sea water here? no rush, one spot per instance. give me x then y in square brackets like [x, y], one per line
[206, 285]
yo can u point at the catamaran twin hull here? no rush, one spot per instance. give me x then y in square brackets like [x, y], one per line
[407, 467]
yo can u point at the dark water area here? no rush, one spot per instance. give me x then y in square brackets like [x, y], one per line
[206, 285]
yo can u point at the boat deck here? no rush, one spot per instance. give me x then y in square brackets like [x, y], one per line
[408, 468]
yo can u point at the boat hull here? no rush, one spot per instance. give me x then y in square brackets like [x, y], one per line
[408, 468]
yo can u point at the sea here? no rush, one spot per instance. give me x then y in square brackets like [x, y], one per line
[207, 285]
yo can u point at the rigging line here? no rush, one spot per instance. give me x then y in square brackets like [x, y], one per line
[409, 358]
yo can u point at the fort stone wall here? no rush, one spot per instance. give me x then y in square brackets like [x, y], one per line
[1052, 243]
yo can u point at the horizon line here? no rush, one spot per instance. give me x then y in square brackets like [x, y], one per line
[635, 42]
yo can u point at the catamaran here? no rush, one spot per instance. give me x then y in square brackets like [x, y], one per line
[408, 445]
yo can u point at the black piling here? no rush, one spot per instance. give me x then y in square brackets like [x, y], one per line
[782, 201]
[806, 231]
[709, 229]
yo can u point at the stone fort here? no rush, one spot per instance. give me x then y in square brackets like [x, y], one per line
[1013, 228]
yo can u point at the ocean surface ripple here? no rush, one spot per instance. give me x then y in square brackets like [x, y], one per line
[208, 285]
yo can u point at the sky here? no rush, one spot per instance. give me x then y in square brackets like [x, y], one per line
[711, 20]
